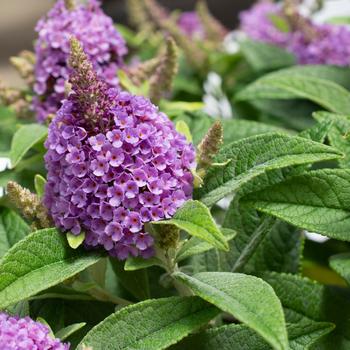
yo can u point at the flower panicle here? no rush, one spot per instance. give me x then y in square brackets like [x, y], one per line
[156, 12]
[24, 64]
[138, 16]
[161, 80]
[210, 145]
[214, 29]
[89, 90]
[29, 204]
[143, 71]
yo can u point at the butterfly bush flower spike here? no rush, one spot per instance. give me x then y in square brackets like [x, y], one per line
[25, 334]
[114, 163]
[101, 41]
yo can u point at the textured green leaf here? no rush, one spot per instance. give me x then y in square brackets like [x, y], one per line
[253, 157]
[196, 246]
[136, 282]
[39, 183]
[234, 129]
[64, 333]
[301, 336]
[247, 298]
[262, 56]
[317, 201]
[336, 135]
[12, 229]
[24, 139]
[296, 83]
[195, 218]
[152, 324]
[317, 302]
[41, 260]
[341, 264]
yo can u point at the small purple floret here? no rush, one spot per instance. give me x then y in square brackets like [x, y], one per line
[25, 334]
[101, 41]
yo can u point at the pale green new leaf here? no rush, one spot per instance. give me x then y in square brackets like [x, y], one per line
[12, 229]
[247, 298]
[64, 333]
[318, 201]
[138, 263]
[196, 246]
[39, 184]
[24, 139]
[152, 324]
[41, 260]
[195, 218]
[254, 156]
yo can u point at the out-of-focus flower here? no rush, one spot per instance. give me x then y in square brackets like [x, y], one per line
[25, 334]
[113, 170]
[190, 24]
[311, 43]
[101, 41]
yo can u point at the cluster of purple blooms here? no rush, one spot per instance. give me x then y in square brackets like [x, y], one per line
[191, 25]
[26, 334]
[328, 44]
[97, 34]
[110, 180]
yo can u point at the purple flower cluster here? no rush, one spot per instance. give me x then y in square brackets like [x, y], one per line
[112, 179]
[101, 41]
[328, 44]
[26, 334]
[190, 24]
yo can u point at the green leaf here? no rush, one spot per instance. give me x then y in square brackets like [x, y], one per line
[41, 260]
[253, 157]
[317, 302]
[183, 129]
[341, 264]
[247, 298]
[7, 128]
[39, 183]
[290, 84]
[64, 333]
[336, 135]
[317, 201]
[280, 22]
[135, 282]
[75, 241]
[262, 56]
[137, 263]
[12, 229]
[196, 246]
[24, 139]
[234, 129]
[195, 218]
[238, 337]
[152, 324]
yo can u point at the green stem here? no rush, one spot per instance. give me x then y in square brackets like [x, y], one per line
[257, 237]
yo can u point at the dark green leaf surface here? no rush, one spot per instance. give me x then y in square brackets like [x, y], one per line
[152, 324]
[247, 298]
[12, 229]
[317, 201]
[41, 260]
[253, 157]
